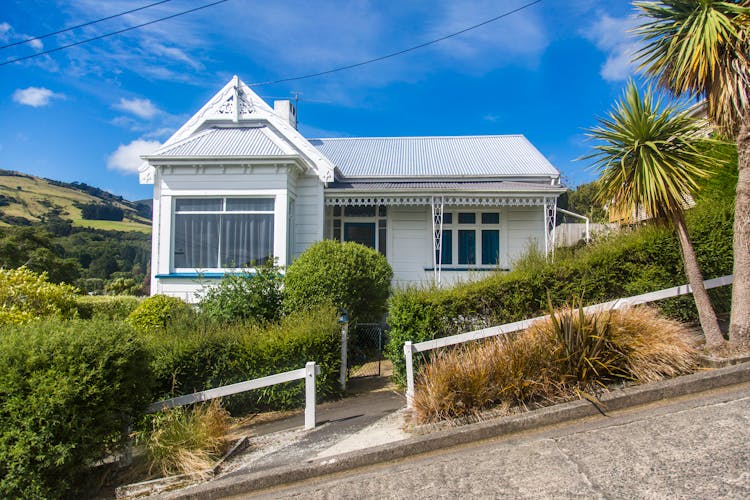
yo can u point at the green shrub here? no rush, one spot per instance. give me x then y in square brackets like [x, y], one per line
[106, 306]
[203, 356]
[622, 265]
[252, 295]
[67, 390]
[26, 295]
[159, 312]
[347, 275]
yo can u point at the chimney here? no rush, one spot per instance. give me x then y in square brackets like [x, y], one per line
[287, 110]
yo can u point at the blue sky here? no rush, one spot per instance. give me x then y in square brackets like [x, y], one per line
[86, 113]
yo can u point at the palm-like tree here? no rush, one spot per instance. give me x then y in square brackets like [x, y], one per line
[701, 48]
[648, 157]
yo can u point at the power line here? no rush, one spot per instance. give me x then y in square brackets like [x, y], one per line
[89, 23]
[106, 35]
[398, 53]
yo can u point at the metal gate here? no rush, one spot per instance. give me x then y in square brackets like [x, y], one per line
[365, 349]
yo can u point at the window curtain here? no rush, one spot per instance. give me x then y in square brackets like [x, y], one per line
[246, 240]
[490, 246]
[467, 247]
[196, 242]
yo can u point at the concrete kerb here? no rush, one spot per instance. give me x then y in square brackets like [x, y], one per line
[615, 400]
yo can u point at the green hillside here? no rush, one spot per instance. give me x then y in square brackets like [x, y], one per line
[26, 199]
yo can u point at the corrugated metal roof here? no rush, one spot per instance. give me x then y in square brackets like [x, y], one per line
[462, 156]
[240, 141]
[449, 186]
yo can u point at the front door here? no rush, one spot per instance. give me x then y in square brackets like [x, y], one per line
[360, 232]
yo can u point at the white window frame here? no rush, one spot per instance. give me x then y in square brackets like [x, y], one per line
[477, 227]
[263, 195]
[376, 219]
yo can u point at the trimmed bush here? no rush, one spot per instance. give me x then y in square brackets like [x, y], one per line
[26, 295]
[626, 264]
[256, 296]
[67, 390]
[106, 306]
[202, 356]
[347, 275]
[159, 312]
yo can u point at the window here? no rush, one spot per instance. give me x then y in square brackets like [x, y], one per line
[212, 233]
[468, 243]
[364, 225]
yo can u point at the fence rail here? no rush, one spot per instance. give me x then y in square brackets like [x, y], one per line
[309, 373]
[410, 349]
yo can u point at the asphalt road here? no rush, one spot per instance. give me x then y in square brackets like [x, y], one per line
[693, 447]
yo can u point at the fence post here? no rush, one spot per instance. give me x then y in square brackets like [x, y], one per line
[409, 374]
[310, 395]
[344, 349]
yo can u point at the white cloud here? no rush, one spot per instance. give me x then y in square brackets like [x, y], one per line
[4, 30]
[611, 35]
[127, 157]
[142, 108]
[36, 44]
[35, 96]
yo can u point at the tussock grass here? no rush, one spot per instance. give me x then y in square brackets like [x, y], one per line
[186, 440]
[553, 360]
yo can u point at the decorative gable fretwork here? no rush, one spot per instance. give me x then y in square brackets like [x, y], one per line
[483, 201]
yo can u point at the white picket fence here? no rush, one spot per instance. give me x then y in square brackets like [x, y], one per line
[410, 349]
[309, 373]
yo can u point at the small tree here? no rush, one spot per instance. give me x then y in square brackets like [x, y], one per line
[348, 275]
[650, 159]
[26, 295]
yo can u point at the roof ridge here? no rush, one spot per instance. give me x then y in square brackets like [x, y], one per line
[481, 136]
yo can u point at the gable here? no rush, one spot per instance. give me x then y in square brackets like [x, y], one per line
[236, 122]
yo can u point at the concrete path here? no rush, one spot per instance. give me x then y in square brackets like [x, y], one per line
[697, 446]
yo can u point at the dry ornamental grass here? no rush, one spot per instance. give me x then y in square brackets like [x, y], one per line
[554, 360]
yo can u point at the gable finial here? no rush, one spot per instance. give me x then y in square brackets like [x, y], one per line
[236, 98]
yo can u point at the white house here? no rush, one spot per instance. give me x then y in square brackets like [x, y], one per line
[238, 184]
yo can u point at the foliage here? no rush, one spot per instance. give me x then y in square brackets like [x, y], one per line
[194, 356]
[101, 211]
[700, 48]
[36, 249]
[26, 295]
[555, 359]
[625, 264]
[67, 390]
[105, 306]
[648, 154]
[123, 286]
[582, 200]
[156, 313]
[252, 295]
[347, 275]
[185, 440]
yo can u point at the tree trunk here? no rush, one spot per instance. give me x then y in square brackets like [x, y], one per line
[706, 314]
[739, 330]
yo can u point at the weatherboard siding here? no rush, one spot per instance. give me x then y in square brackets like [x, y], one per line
[409, 243]
[308, 217]
[525, 228]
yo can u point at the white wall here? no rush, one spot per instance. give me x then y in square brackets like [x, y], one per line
[525, 228]
[309, 209]
[269, 180]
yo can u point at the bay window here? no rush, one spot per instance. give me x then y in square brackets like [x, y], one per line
[217, 233]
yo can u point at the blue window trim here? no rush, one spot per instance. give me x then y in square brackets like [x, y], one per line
[482, 269]
[179, 276]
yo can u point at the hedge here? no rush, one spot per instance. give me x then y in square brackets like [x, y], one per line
[67, 390]
[193, 357]
[630, 263]
[106, 306]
